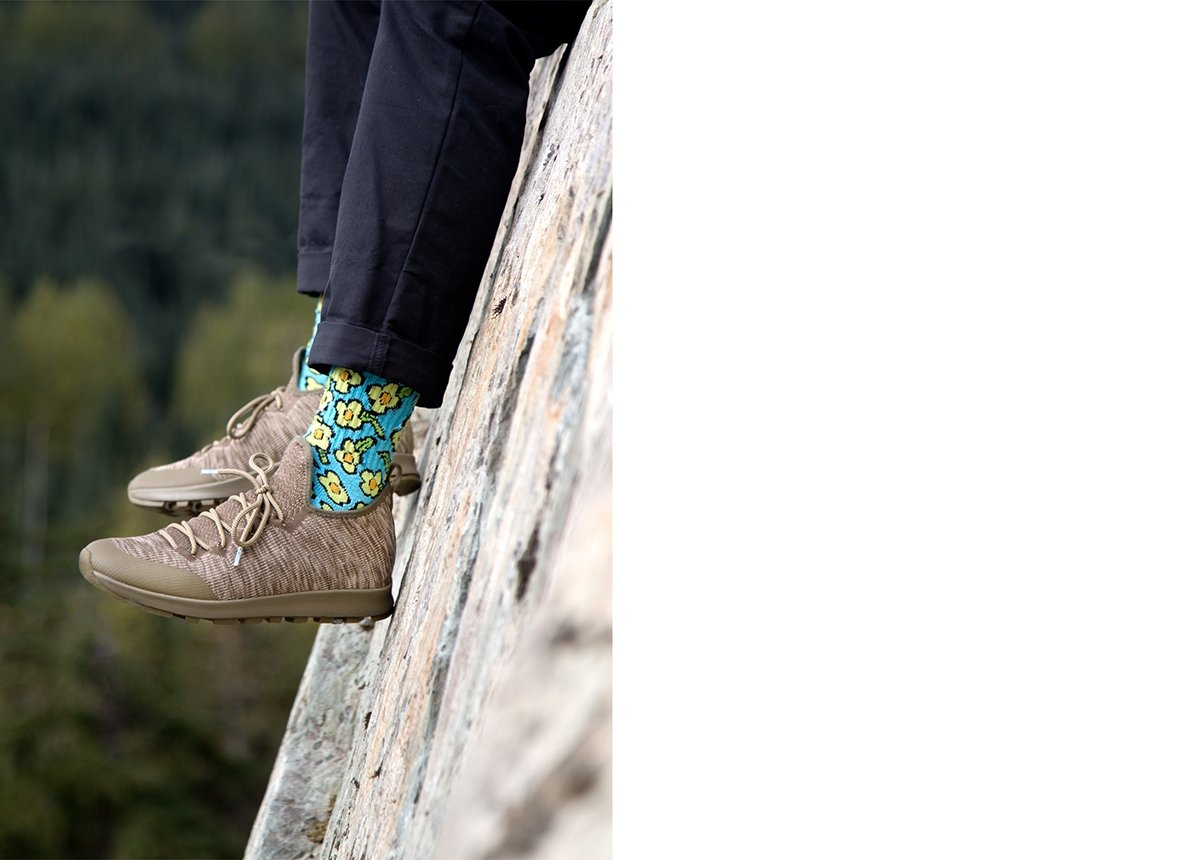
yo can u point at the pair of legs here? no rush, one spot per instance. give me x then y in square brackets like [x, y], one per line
[414, 118]
[414, 115]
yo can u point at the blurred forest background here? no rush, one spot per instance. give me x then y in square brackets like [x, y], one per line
[149, 173]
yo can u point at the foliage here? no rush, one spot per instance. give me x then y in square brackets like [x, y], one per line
[74, 330]
[138, 150]
[234, 40]
[237, 349]
[148, 192]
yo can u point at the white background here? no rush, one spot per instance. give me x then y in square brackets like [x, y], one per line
[907, 427]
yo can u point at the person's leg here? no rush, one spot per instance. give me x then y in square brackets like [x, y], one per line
[340, 39]
[438, 138]
[341, 36]
[434, 153]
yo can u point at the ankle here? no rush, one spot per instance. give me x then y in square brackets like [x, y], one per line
[353, 437]
[309, 379]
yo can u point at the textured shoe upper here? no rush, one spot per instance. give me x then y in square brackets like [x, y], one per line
[266, 424]
[288, 546]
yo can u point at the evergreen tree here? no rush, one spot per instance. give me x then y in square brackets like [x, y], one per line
[148, 197]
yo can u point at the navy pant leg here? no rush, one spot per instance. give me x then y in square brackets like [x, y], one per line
[433, 154]
[340, 39]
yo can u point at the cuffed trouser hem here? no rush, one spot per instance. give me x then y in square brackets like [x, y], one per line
[340, 344]
[312, 272]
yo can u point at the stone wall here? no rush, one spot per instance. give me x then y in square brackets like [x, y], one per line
[476, 721]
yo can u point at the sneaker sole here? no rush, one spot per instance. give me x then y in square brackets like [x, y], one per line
[187, 504]
[324, 607]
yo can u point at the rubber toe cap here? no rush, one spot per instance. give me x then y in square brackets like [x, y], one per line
[104, 557]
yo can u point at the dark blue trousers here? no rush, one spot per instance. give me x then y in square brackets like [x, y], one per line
[414, 116]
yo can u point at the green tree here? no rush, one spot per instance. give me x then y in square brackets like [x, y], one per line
[78, 395]
[236, 38]
[236, 350]
[119, 33]
[156, 146]
[151, 152]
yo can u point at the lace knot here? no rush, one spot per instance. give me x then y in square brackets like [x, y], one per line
[255, 514]
[257, 506]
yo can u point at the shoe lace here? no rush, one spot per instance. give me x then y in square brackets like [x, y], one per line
[247, 524]
[240, 422]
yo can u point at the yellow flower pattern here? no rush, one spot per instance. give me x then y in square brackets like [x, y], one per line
[348, 456]
[357, 428]
[371, 483]
[343, 380]
[333, 486]
[349, 414]
[383, 397]
[319, 435]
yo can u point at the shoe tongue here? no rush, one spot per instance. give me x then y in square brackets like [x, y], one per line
[292, 482]
[290, 485]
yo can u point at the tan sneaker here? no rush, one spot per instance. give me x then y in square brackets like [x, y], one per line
[262, 555]
[264, 425]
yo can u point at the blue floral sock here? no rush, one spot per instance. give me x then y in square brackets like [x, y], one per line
[309, 379]
[353, 437]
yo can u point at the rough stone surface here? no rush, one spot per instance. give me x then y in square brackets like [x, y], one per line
[476, 722]
[319, 732]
